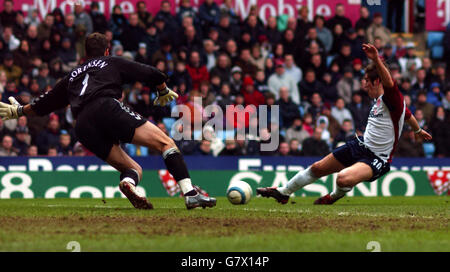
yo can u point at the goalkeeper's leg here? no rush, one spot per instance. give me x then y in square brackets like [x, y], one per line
[154, 138]
[130, 175]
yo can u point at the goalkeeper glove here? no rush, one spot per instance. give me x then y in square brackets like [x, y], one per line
[13, 111]
[165, 96]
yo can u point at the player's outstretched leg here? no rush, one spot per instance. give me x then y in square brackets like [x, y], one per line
[130, 175]
[324, 167]
[151, 136]
[346, 180]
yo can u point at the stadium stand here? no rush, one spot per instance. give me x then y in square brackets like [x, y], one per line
[226, 60]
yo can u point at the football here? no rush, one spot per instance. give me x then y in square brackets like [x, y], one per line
[239, 192]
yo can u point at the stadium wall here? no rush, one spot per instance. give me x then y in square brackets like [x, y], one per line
[46, 177]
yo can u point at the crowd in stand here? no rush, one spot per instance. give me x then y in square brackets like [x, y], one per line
[311, 69]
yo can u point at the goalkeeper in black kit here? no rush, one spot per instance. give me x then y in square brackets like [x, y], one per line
[93, 90]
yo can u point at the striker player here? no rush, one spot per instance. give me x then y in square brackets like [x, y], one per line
[363, 158]
[93, 90]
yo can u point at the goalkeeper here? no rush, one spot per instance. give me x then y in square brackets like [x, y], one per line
[93, 90]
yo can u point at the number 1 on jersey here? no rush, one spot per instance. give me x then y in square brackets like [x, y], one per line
[85, 84]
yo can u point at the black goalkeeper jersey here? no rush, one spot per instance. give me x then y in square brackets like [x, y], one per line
[97, 77]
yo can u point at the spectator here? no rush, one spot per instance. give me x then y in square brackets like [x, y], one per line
[226, 30]
[291, 69]
[133, 34]
[339, 18]
[410, 57]
[303, 24]
[294, 148]
[288, 109]
[117, 22]
[68, 55]
[231, 149]
[435, 96]
[204, 148]
[309, 85]
[82, 18]
[64, 147]
[145, 17]
[323, 33]
[10, 90]
[316, 105]
[359, 111]
[22, 140]
[283, 149]
[446, 100]
[227, 9]
[251, 95]
[20, 27]
[209, 14]
[440, 129]
[50, 136]
[245, 63]
[338, 39]
[8, 15]
[271, 30]
[315, 146]
[364, 20]
[196, 69]
[322, 122]
[99, 22]
[44, 79]
[281, 79]
[346, 133]
[32, 151]
[22, 56]
[258, 56]
[408, 146]
[9, 39]
[377, 29]
[426, 108]
[340, 113]
[329, 93]
[345, 56]
[12, 71]
[296, 131]
[7, 149]
[209, 49]
[236, 79]
[348, 85]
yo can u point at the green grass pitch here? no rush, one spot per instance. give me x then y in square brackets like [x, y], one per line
[396, 223]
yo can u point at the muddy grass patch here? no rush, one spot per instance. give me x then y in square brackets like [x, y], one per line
[209, 226]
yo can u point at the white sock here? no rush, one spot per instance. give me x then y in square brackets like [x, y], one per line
[130, 180]
[185, 185]
[300, 180]
[340, 192]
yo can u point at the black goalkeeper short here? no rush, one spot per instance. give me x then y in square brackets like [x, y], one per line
[104, 122]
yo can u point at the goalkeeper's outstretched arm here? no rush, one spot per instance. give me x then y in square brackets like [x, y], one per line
[52, 100]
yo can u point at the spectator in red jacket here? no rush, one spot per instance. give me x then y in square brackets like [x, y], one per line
[251, 95]
[197, 70]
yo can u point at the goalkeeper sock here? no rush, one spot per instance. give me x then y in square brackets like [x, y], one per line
[130, 175]
[297, 182]
[339, 192]
[177, 167]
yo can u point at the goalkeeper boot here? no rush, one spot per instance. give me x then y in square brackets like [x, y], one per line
[138, 201]
[325, 200]
[199, 200]
[273, 192]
